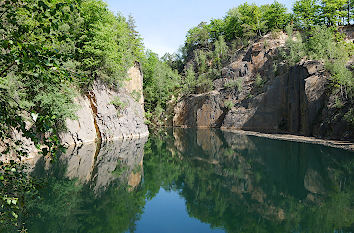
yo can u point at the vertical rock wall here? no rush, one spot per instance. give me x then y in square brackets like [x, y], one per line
[99, 119]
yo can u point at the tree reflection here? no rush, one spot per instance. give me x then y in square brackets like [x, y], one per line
[250, 184]
[230, 181]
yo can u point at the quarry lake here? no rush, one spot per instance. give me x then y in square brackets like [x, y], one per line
[188, 180]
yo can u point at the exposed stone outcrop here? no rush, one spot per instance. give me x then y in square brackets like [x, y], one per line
[98, 118]
[83, 129]
[290, 103]
[203, 110]
[292, 100]
[134, 85]
[126, 122]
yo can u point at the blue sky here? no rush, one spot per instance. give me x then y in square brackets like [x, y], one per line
[163, 24]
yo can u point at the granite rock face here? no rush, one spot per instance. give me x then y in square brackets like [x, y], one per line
[113, 123]
[99, 119]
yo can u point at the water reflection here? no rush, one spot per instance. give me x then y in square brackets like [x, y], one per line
[229, 181]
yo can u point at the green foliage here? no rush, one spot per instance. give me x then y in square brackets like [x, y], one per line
[229, 104]
[238, 84]
[136, 95]
[220, 51]
[197, 37]
[309, 13]
[119, 105]
[210, 45]
[259, 82]
[160, 84]
[305, 12]
[295, 47]
[108, 44]
[16, 188]
[349, 117]
[275, 15]
[189, 82]
[48, 50]
[322, 43]
[204, 83]
[338, 103]
[201, 60]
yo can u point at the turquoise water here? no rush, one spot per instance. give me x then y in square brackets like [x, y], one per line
[189, 180]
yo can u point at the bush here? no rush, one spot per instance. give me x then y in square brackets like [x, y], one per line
[275, 33]
[349, 117]
[204, 83]
[136, 95]
[295, 48]
[324, 44]
[119, 105]
[259, 82]
[229, 104]
[238, 84]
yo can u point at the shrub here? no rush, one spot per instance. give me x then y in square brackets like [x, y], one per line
[295, 48]
[275, 33]
[204, 83]
[229, 104]
[136, 95]
[238, 84]
[259, 82]
[349, 117]
[189, 83]
[119, 105]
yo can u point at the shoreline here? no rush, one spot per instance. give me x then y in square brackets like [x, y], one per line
[346, 145]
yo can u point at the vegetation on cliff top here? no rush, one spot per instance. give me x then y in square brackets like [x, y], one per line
[313, 31]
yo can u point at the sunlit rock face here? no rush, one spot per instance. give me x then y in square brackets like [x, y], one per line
[99, 119]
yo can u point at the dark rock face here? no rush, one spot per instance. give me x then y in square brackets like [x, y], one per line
[202, 110]
[291, 103]
[292, 100]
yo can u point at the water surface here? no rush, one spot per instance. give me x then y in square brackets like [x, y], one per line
[189, 180]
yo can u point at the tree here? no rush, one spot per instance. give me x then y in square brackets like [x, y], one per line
[198, 37]
[306, 13]
[160, 83]
[275, 15]
[233, 24]
[251, 18]
[216, 29]
[332, 11]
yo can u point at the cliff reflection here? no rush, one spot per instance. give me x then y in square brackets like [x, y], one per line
[86, 191]
[235, 182]
[251, 184]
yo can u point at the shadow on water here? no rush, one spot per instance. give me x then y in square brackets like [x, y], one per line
[232, 182]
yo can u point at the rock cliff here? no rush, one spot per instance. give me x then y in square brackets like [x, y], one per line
[99, 118]
[284, 99]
